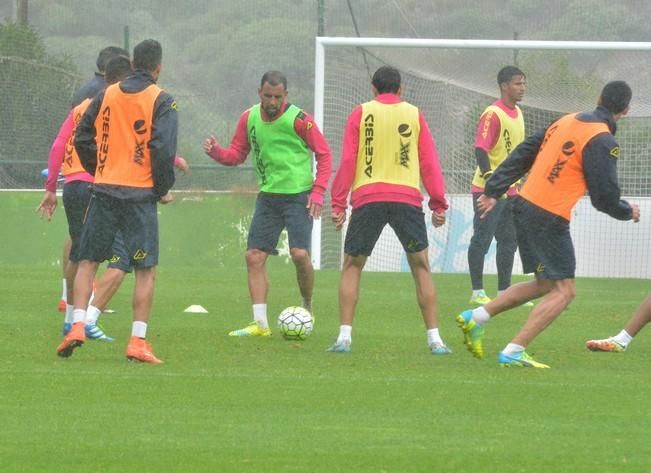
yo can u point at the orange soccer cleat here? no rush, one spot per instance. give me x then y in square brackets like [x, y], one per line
[75, 338]
[139, 350]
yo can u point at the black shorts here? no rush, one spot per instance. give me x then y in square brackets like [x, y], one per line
[368, 221]
[136, 222]
[76, 195]
[544, 241]
[273, 212]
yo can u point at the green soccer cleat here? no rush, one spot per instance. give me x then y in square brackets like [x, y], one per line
[251, 330]
[439, 349]
[473, 333]
[342, 347]
[521, 359]
[480, 298]
[607, 344]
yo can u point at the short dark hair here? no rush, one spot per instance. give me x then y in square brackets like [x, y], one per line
[616, 96]
[147, 55]
[387, 80]
[274, 78]
[106, 54]
[507, 73]
[117, 69]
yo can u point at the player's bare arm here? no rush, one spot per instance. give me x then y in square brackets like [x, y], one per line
[49, 204]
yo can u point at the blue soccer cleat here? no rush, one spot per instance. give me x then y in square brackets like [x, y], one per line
[439, 348]
[95, 332]
[521, 359]
[340, 347]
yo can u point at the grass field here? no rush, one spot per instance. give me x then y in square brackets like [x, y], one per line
[228, 405]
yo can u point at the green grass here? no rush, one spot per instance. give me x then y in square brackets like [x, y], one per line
[268, 405]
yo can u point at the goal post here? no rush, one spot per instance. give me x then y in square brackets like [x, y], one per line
[452, 81]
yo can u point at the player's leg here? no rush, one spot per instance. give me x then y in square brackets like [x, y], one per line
[364, 229]
[139, 229]
[620, 342]
[506, 244]
[94, 246]
[143, 295]
[266, 225]
[298, 223]
[545, 312]
[76, 196]
[408, 222]
[65, 283]
[483, 233]
[547, 250]
[109, 283]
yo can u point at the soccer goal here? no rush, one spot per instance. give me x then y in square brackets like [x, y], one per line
[452, 81]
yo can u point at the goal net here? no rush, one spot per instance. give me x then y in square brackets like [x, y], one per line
[452, 81]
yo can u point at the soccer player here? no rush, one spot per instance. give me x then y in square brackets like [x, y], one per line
[387, 151]
[127, 139]
[575, 154]
[86, 91]
[621, 341]
[76, 196]
[500, 130]
[97, 83]
[282, 138]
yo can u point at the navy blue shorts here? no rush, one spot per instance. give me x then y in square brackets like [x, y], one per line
[544, 241]
[273, 212]
[136, 222]
[76, 196]
[368, 221]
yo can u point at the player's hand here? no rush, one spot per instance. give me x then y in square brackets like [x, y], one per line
[635, 213]
[48, 205]
[167, 198]
[338, 219]
[438, 219]
[485, 204]
[314, 208]
[182, 165]
[209, 144]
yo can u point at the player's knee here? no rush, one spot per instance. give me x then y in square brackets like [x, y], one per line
[299, 256]
[255, 258]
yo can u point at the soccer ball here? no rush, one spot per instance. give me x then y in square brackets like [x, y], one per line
[295, 323]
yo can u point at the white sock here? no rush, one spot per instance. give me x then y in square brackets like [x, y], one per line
[64, 294]
[480, 316]
[433, 337]
[69, 313]
[512, 349]
[92, 314]
[623, 338]
[477, 292]
[260, 315]
[139, 329]
[345, 334]
[78, 315]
